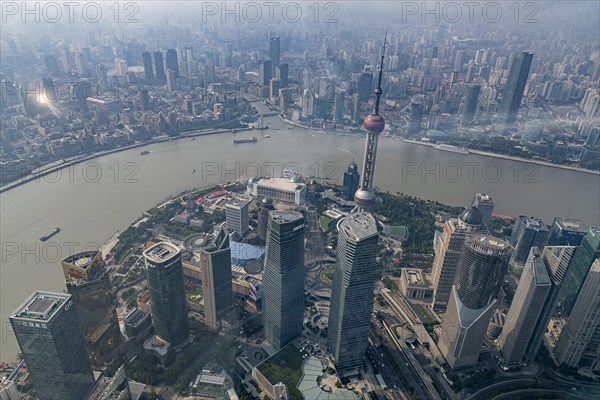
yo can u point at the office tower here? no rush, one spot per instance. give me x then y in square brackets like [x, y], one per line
[48, 331]
[274, 86]
[355, 108]
[451, 245]
[172, 62]
[51, 64]
[566, 232]
[365, 86]
[112, 388]
[352, 293]
[586, 253]
[527, 232]
[481, 270]
[264, 73]
[49, 92]
[81, 64]
[485, 204]
[351, 181]
[308, 104]
[338, 106]
[215, 264]
[144, 100]
[95, 302]
[513, 93]
[164, 272]
[471, 103]
[459, 60]
[453, 78]
[209, 73]
[147, 60]
[416, 115]
[283, 278]
[528, 302]
[579, 341]
[282, 73]
[266, 205]
[556, 259]
[236, 215]
[274, 52]
[593, 138]
[171, 81]
[159, 66]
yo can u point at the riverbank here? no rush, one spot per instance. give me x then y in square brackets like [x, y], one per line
[78, 160]
[513, 158]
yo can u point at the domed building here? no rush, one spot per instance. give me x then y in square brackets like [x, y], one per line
[470, 220]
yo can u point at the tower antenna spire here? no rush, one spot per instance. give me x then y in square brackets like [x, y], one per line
[374, 124]
[378, 90]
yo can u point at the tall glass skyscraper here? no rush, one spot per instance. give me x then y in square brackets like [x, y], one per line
[566, 232]
[530, 297]
[49, 334]
[481, 269]
[283, 278]
[352, 293]
[351, 181]
[159, 66]
[167, 292]
[215, 264]
[527, 232]
[147, 59]
[173, 62]
[580, 265]
[517, 78]
[95, 302]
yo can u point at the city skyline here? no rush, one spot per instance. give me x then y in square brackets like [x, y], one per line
[290, 200]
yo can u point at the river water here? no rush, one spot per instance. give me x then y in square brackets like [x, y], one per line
[91, 201]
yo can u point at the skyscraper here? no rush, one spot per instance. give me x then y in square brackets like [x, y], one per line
[365, 86]
[282, 73]
[556, 259]
[147, 60]
[236, 215]
[587, 252]
[274, 52]
[95, 303]
[215, 264]
[283, 278]
[351, 181]
[167, 293]
[265, 73]
[528, 302]
[159, 66]
[513, 93]
[579, 341]
[49, 334]
[566, 232]
[172, 62]
[527, 232]
[485, 204]
[447, 258]
[416, 115]
[481, 269]
[471, 99]
[266, 205]
[338, 106]
[352, 293]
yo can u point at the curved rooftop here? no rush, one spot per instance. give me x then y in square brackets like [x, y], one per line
[471, 216]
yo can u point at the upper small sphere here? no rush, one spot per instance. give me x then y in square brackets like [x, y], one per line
[374, 123]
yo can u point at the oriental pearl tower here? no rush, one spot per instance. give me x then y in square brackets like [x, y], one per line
[364, 197]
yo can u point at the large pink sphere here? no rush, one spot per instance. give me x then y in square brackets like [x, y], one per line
[374, 123]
